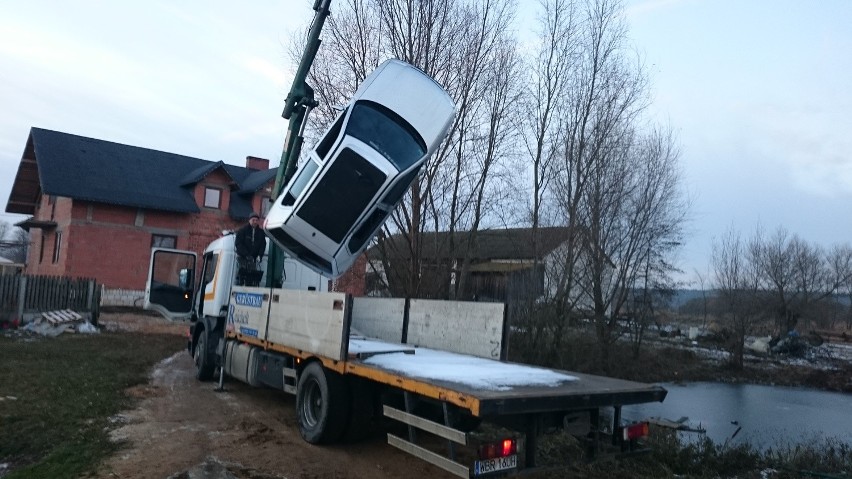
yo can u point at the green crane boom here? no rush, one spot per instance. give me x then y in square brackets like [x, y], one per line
[297, 106]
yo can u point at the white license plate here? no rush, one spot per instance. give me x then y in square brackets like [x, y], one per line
[486, 466]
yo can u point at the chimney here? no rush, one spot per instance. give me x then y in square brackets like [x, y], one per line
[255, 163]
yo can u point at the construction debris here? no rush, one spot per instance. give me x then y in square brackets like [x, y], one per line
[54, 323]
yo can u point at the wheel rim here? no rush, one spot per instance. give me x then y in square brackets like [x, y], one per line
[312, 405]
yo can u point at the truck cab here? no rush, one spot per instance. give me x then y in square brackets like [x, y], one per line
[174, 289]
[180, 287]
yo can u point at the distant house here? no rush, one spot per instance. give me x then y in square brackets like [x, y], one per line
[8, 266]
[97, 207]
[503, 264]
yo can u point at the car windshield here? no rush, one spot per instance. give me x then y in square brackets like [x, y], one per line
[387, 133]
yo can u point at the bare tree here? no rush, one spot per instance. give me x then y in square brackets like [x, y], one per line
[14, 242]
[738, 283]
[617, 188]
[490, 148]
[798, 275]
[555, 52]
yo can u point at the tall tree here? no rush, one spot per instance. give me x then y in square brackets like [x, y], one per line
[737, 274]
[618, 188]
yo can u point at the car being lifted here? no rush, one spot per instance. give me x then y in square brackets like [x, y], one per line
[361, 168]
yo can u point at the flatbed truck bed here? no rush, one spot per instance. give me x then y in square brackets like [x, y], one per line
[576, 391]
[438, 367]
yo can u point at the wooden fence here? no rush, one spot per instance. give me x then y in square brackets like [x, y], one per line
[22, 295]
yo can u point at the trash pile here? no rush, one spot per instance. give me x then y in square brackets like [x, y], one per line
[54, 323]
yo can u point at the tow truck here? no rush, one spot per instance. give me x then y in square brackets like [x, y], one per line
[439, 368]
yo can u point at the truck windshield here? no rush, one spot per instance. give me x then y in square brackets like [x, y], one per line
[386, 132]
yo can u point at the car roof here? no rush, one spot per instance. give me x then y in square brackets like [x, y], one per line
[393, 84]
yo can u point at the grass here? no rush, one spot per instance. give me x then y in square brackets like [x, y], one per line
[65, 391]
[702, 458]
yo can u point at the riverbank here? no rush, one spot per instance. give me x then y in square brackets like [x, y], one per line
[827, 367]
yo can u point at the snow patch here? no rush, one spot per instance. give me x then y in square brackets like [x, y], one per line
[475, 372]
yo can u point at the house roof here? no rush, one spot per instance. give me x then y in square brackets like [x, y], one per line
[495, 244]
[62, 164]
[7, 262]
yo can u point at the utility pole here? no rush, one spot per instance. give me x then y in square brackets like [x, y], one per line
[299, 103]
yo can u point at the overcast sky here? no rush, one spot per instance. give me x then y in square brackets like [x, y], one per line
[759, 93]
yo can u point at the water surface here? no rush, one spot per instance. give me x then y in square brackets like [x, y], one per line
[766, 416]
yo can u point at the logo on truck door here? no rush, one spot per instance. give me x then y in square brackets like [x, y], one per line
[252, 300]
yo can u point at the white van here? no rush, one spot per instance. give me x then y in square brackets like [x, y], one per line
[361, 168]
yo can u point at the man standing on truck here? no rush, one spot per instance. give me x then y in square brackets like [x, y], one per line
[250, 243]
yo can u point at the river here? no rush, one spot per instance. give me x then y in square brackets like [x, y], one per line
[766, 416]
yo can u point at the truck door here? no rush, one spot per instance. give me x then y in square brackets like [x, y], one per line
[171, 283]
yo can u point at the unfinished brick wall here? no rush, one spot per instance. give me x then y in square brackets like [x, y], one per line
[353, 281]
[112, 243]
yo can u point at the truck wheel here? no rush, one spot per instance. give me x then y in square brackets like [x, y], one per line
[204, 366]
[321, 404]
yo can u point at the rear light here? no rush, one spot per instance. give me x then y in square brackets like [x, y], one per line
[635, 431]
[504, 448]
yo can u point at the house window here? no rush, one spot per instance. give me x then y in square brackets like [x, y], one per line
[163, 241]
[41, 249]
[57, 246]
[212, 197]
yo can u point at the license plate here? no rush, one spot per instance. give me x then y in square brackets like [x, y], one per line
[486, 466]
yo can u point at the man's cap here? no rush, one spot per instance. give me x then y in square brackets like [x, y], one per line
[254, 215]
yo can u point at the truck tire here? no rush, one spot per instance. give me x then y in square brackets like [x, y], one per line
[204, 367]
[322, 401]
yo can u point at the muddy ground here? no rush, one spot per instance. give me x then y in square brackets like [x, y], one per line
[183, 428]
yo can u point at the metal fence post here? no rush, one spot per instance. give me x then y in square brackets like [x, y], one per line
[90, 295]
[22, 292]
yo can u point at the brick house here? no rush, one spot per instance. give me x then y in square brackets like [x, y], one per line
[98, 207]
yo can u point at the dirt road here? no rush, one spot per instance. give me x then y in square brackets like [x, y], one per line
[185, 429]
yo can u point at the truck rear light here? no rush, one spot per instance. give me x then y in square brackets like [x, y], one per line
[504, 448]
[635, 431]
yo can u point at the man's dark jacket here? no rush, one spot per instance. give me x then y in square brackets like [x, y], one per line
[251, 242]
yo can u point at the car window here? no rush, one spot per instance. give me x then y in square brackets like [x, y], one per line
[343, 193]
[324, 145]
[305, 174]
[386, 132]
[402, 184]
[365, 231]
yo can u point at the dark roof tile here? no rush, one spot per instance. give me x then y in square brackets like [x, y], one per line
[102, 171]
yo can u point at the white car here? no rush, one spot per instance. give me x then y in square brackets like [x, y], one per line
[361, 168]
